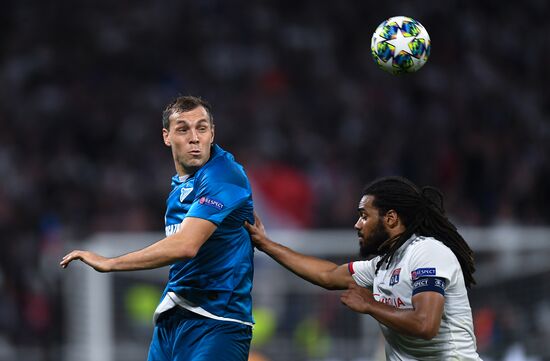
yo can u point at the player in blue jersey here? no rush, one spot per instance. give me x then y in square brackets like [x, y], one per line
[205, 310]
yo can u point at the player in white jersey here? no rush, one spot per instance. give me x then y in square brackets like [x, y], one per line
[415, 287]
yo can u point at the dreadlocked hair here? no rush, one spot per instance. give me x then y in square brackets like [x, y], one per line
[423, 214]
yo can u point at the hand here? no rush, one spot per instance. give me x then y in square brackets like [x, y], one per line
[97, 262]
[358, 298]
[256, 230]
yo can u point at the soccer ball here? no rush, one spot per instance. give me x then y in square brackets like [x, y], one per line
[400, 45]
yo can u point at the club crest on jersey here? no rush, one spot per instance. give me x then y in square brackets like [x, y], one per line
[211, 202]
[185, 191]
[422, 272]
[394, 279]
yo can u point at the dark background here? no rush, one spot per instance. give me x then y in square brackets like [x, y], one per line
[296, 98]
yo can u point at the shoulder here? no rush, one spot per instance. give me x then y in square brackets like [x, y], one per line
[428, 251]
[363, 272]
[422, 244]
[222, 168]
[363, 265]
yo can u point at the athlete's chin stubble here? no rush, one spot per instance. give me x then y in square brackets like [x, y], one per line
[370, 245]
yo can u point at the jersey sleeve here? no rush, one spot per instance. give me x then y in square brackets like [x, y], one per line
[433, 266]
[363, 272]
[219, 194]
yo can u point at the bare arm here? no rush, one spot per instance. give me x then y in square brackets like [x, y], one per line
[184, 244]
[317, 271]
[422, 321]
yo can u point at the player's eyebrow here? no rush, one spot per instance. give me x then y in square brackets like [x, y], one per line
[200, 121]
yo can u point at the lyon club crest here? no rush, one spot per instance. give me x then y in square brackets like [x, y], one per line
[395, 276]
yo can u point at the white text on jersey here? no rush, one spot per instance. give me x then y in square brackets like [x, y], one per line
[171, 229]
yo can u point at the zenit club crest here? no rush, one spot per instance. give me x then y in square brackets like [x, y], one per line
[185, 191]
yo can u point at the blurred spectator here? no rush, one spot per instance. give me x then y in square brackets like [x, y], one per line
[83, 88]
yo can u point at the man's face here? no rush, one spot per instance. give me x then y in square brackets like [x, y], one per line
[370, 227]
[190, 137]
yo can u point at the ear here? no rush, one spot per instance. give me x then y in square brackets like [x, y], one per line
[165, 133]
[392, 219]
[212, 139]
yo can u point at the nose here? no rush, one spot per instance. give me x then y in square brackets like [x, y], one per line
[357, 225]
[194, 136]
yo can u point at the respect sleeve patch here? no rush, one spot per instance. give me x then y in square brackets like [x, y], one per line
[423, 272]
[211, 202]
[434, 284]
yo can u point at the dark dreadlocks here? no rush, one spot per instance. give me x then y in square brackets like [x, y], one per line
[422, 213]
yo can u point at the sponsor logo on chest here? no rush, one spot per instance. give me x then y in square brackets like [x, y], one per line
[392, 301]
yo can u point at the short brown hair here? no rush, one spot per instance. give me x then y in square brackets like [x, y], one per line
[184, 104]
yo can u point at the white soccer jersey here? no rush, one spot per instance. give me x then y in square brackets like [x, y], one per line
[422, 264]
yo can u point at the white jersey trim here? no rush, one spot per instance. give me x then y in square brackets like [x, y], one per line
[172, 300]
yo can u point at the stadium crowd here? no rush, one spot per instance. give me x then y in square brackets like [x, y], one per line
[298, 101]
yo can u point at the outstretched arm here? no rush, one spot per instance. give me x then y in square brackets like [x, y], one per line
[317, 271]
[422, 320]
[184, 244]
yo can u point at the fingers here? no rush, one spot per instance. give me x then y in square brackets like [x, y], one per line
[344, 298]
[68, 258]
[352, 288]
[257, 220]
[65, 262]
[257, 223]
[257, 226]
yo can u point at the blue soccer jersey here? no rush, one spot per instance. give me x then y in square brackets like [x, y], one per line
[217, 282]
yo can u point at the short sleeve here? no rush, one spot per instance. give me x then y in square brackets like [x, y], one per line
[432, 259]
[363, 272]
[217, 198]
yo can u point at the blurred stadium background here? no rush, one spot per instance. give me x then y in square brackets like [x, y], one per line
[300, 103]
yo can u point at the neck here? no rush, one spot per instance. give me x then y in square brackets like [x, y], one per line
[392, 240]
[184, 171]
[396, 231]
